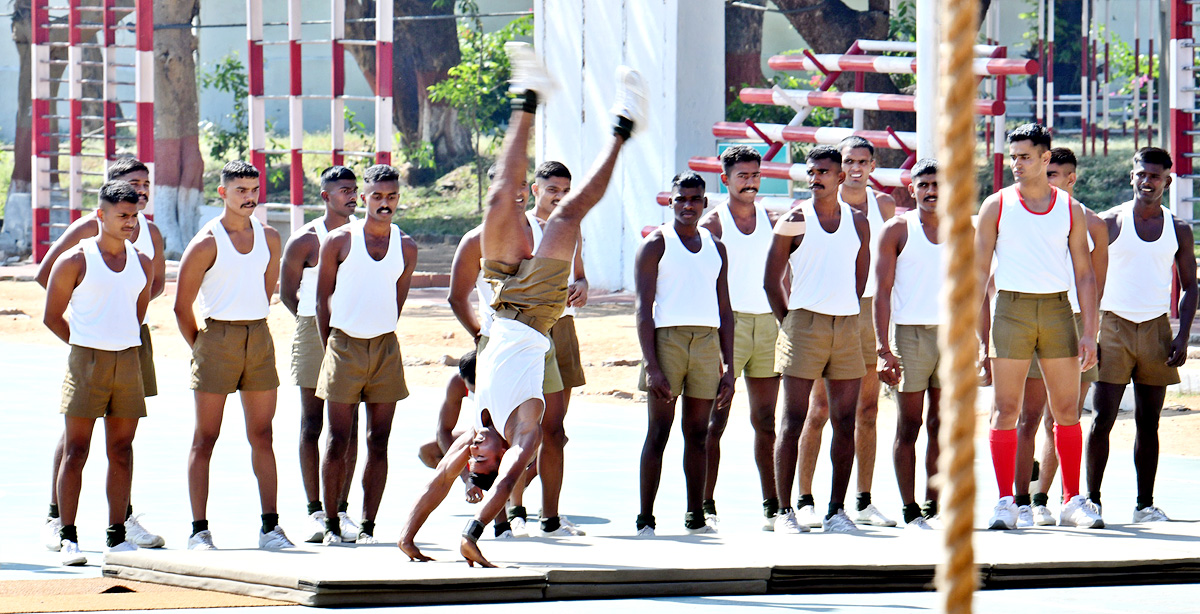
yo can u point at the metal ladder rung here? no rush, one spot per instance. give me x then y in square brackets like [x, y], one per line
[367, 98]
[352, 41]
[358, 154]
[274, 152]
[319, 152]
[272, 97]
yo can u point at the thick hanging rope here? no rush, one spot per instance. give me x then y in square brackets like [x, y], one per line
[956, 576]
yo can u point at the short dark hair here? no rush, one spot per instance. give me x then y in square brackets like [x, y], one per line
[123, 166]
[737, 154]
[856, 142]
[483, 480]
[824, 152]
[380, 173]
[113, 192]
[466, 367]
[1153, 155]
[687, 179]
[1034, 132]
[238, 169]
[552, 168]
[1063, 155]
[924, 166]
[337, 173]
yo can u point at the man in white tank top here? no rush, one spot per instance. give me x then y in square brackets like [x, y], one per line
[685, 329]
[365, 271]
[858, 162]
[909, 278]
[1033, 511]
[230, 269]
[1135, 332]
[827, 244]
[148, 240]
[1027, 228]
[95, 301]
[298, 292]
[531, 293]
[745, 230]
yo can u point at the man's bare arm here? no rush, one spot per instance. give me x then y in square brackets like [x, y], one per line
[64, 276]
[577, 292]
[725, 388]
[199, 256]
[1098, 230]
[333, 252]
[1185, 264]
[645, 267]
[144, 298]
[887, 206]
[275, 245]
[447, 471]
[160, 260]
[82, 228]
[463, 273]
[1085, 285]
[782, 246]
[862, 265]
[301, 251]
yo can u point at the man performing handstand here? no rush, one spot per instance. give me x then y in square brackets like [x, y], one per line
[531, 293]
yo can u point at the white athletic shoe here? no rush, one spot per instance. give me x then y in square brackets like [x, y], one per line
[706, 529]
[349, 529]
[201, 541]
[316, 527]
[53, 539]
[1024, 516]
[519, 529]
[71, 556]
[329, 538]
[365, 539]
[872, 516]
[1081, 512]
[1150, 514]
[919, 523]
[769, 523]
[506, 535]
[632, 100]
[807, 516]
[838, 523]
[712, 519]
[1005, 516]
[646, 531]
[528, 72]
[275, 540]
[786, 524]
[566, 522]
[136, 533]
[125, 546]
[1042, 516]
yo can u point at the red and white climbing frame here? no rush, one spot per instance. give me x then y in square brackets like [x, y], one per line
[1185, 17]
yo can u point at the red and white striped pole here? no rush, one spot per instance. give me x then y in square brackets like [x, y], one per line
[337, 106]
[1150, 72]
[40, 99]
[1137, 72]
[256, 107]
[144, 87]
[891, 177]
[1083, 77]
[895, 64]
[1039, 112]
[812, 134]
[1183, 107]
[383, 82]
[74, 80]
[849, 100]
[111, 111]
[1049, 67]
[296, 115]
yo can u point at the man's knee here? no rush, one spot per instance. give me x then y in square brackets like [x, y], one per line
[763, 422]
[259, 435]
[377, 441]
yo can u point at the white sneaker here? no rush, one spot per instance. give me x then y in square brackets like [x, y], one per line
[1005, 516]
[1081, 512]
[807, 516]
[712, 519]
[53, 539]
[136, 533]
[528, 72]
[519, 529]
[769, 523]
[125, 546]
[365, 539]
[566, 522]
[632, 100]
[71, 556]
[787, 524]
[839, 523]
[349, 529]
[1150, 514]
[506, 535]
[564, 530]
[706, 529]
[316, 525]
[872, 516]
[329, 538]
[1042, 516]
[275, 540]
[646, 531]
[1024, 516]
[201, 541]
[919, 523]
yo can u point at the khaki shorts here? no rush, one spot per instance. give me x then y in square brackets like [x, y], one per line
[1129, 350]
[917, 348]
[1087, 377]
[307, 352]
[690, 358]
[366, 370]
[754, 337]
[146, 358]
[100, 384]
[232, 356]
[566, 352]
[1025, 323]
[533, 292]
[866, 331]
[814, 345]
[552, 381]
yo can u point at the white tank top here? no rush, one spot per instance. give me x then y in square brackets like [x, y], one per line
[363, 304]
[747, 255]
[917, 288]
[1139, 272]
[102, 313]
[307, 292]
[1073, 292]
[875, 221]
[486, 313]
[824, 266]
[686, 291]
[537, 240]
[1031, 248]
[234, 288]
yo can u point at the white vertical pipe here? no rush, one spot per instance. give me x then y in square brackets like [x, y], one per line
[1039, 112]
[1108, 54]
[1050, 68]
[927, 77]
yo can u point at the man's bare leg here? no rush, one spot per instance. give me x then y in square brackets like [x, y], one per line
[550, 458]
[809, 451]
[763, 394]
[1027, 427]
[210, 410]
[796, 393]
[379, 431]
[866, 414]
[259, 406]
[118, 436]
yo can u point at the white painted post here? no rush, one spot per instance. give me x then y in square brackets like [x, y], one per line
[927, 77]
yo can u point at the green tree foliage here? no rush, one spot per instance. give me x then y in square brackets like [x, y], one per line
[228, 75]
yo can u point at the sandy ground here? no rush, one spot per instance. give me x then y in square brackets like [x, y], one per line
[429, 334]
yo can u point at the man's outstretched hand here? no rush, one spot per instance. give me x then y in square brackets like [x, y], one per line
[470, 551]
[414, 553]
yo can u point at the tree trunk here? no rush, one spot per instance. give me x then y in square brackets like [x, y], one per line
[743, 48]
[178, 167]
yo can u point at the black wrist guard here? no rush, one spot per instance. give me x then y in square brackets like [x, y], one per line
[624, 127]
[526, 102]
[473, 531]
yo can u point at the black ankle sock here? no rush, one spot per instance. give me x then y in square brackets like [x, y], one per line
[710, 507]
[269, 522]
[805, 500]
[1142, 502]
[551, 524]
[517, 511]
[129, 512]
[53, 513]
[912, 511]
[68, 532]
[198, 526]
[645, 520]
[834, 508]
[770, 507]
[929, 509]
[344, 506]
[501, 526]
[116, 534]
[1040, 498]
[314, 507]
[862, 501]
[333, 524]
[367, 526]
[1094, 496]
[1020, 500]
[623, 127]
[693, 520]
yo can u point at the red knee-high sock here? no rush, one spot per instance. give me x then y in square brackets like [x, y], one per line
[1068, 443]
[1004, 459]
